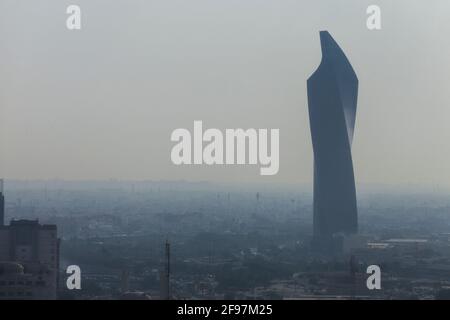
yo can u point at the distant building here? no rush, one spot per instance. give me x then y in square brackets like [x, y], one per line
[332, 100]
[29, 260]
[2, 204]
[165, 274]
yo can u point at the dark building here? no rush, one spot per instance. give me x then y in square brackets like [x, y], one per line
[165, 274]
[29, 259]
[332, 100]
[2, 205]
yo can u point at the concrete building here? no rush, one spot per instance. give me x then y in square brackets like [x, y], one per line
[29, 260]
[18, 283]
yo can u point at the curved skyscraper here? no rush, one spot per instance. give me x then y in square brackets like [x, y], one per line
[332, 99]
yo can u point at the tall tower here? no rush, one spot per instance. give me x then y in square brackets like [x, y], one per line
[165, 274]
[2, 205]
[332, 100]
[125, 281]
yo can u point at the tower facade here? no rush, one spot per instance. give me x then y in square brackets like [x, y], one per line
[2, 204]
[332, 100]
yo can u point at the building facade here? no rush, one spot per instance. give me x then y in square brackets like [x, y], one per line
[332, 100]
[29, 260]
[2, 204]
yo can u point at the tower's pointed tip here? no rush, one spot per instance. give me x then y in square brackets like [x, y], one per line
[324, 34]
[325, 37]
[328, 44]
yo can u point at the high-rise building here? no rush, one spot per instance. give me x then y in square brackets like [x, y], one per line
[29, 255]
[2, 204]
[332, 100]
[165, 274]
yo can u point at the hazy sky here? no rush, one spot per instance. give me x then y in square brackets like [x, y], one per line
[101, 102]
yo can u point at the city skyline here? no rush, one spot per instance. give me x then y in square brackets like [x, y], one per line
[217, 150]
[101, 103]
